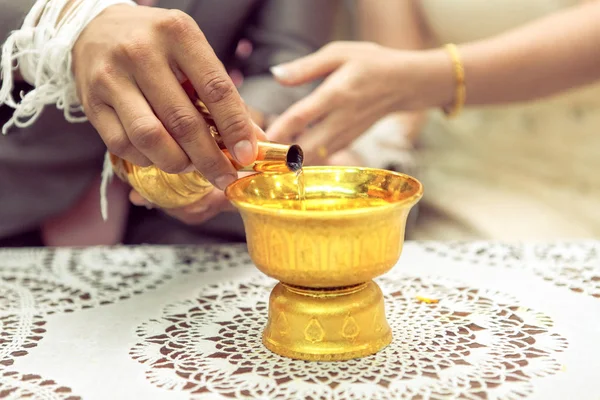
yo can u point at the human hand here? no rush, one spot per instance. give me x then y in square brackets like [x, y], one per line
[209, 206]
[206, 208]
[129, 63]
[364, 83]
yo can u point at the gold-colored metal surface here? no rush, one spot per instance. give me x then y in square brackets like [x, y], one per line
[161, 188]
[326, 249]
[351, 230]
[271, 157]
[334, 325]
[178, 190]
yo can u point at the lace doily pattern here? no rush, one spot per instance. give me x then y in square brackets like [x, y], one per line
[14, 385]
[471, 344]
[488, 253]
[211, 258]
[35, 283]
[574, 265]
[18, 334]
[25, 258]
[69, 280]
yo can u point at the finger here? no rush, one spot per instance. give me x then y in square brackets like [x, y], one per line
[311, 67]
[136, 199]
[184, 123]
[203, 210]
[326, 98]
[302, 114]
[347, 117]
[198, 62]
[215, 199]
[193, 219]
[105, 120]
[146, 132]
[335, 133]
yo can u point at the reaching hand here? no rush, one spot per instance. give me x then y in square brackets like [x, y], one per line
[129, 63]
[364, 82]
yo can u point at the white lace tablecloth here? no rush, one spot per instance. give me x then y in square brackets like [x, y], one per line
[513, 321]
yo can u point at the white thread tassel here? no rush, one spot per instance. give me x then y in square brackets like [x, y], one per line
[107, 175]
[41, 51]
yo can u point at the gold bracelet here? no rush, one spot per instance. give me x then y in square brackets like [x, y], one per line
[459, 74]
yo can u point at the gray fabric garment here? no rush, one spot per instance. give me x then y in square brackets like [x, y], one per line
[46, 167]
[12, 14]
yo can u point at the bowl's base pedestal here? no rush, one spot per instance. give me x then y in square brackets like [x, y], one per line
[326, 324]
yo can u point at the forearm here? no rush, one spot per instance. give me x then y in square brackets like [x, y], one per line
[543, 58]
[394, 24]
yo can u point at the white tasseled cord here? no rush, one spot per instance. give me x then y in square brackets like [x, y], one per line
[41, 50]
[107, 174]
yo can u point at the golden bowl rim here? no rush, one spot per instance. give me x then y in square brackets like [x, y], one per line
[320, 214]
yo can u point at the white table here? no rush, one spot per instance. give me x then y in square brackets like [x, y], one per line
[513, 321]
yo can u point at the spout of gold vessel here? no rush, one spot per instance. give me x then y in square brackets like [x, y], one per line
[272, 157]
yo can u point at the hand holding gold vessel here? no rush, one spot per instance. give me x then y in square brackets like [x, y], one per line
[171, 191]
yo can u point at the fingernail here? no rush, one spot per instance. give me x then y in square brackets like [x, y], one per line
[225, 180]
[279, 71]
[244, 152]
[140, 202]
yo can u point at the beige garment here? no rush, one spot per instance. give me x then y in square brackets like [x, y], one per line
[511, 172]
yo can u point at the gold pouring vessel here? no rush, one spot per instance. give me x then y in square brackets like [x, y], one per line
[178, 190]
[325, 252]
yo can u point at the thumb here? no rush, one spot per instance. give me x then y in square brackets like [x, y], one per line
[309, 68]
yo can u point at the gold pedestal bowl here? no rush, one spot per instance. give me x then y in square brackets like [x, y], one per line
[325, 250]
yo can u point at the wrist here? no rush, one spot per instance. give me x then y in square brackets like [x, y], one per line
[435, 81]
[88, 41]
